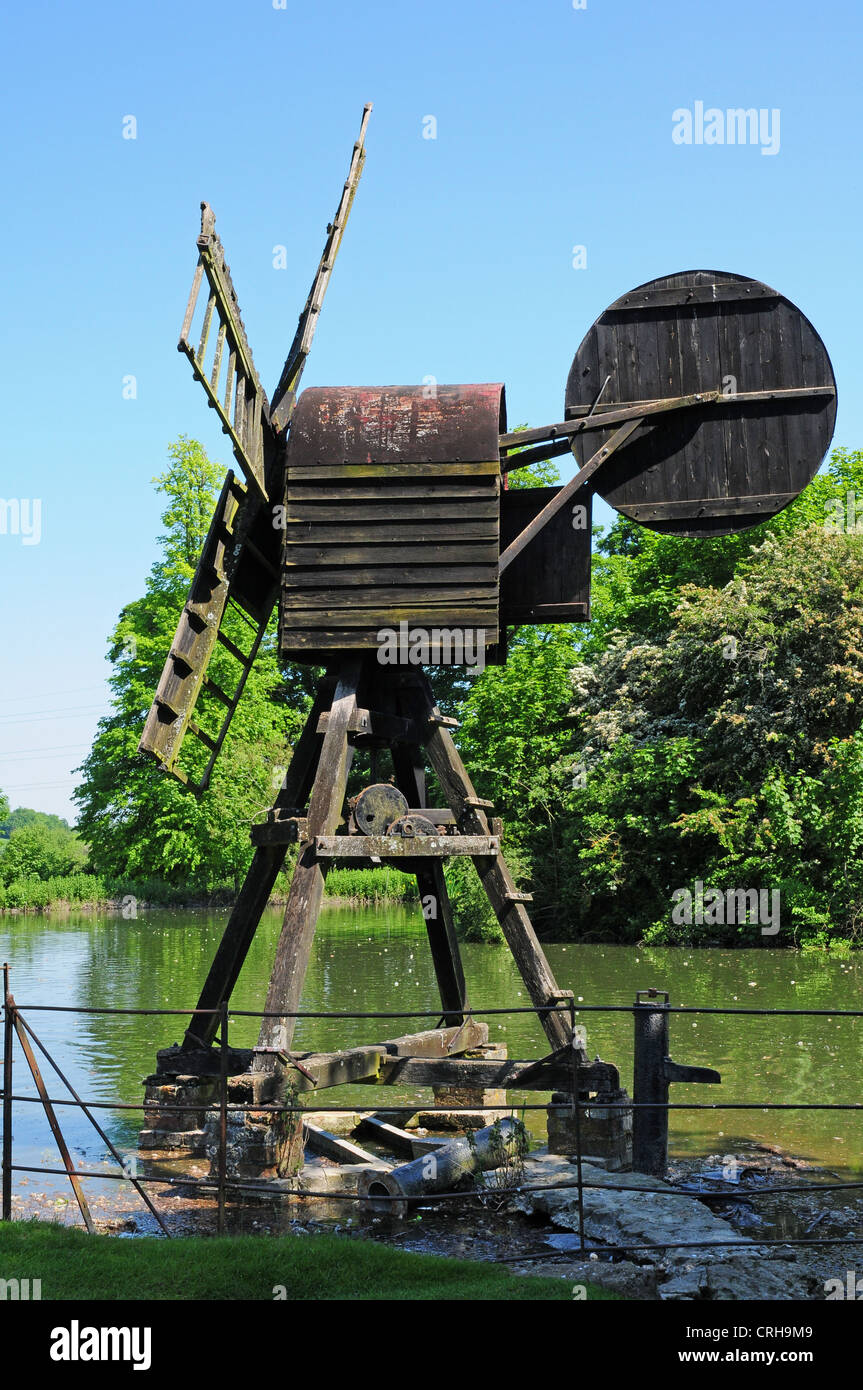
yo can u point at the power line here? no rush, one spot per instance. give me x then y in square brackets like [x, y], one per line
[52, 714]
[33, 786]
[41, 752]
[11, 699]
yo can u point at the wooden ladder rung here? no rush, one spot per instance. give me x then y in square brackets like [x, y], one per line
[261, 558]
[204, 737]
[213, 689]
[232, 647]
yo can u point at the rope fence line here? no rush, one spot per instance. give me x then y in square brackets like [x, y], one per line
[222, 1183]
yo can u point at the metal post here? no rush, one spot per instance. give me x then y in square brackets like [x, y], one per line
[223, 1113]
[650, 1084]
[7, 1098]
[576, 1102]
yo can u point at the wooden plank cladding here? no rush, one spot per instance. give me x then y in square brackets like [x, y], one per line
[391, 516]
[760, 431]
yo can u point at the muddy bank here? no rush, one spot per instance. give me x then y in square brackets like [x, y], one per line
[535, 1231]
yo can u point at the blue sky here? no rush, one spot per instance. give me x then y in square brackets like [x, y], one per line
[554, 129]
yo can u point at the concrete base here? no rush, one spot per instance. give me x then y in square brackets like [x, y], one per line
[605, 1133]
[177, 1130]
[259, 1143]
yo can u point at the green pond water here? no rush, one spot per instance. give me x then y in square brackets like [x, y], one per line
[369, 959]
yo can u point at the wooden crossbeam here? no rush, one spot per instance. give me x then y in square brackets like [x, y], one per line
[565, 493]
[512, 1075]
[403, 846]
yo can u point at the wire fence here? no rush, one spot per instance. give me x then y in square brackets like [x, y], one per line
[221, 1183]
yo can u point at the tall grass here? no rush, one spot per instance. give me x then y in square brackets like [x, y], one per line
[35, 895]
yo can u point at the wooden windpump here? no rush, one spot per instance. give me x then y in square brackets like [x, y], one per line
[378, 520]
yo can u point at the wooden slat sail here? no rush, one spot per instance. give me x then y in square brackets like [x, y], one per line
[239, 569]
[251, 407]
[228, 576]
[285, 395]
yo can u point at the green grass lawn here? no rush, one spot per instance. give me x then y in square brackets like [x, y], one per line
[74, 1265]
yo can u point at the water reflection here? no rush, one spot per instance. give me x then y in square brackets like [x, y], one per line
[371, 959]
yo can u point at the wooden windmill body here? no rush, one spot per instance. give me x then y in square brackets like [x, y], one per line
[699, 404]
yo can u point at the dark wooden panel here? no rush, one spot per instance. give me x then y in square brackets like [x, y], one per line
[322, 510]
[426, 592]
[478, 552]
[688, 333]
[386, 614]
[384, 532]
[348, 576]
[381, 472]
[421, 489]
[308, 642]
[550, 580]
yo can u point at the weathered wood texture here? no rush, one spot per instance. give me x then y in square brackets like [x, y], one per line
[696, 332]
[307, 882]
[236, 393]
[391, 515]
[238, 564]
[493, 872]
[466, 1072]
[409, 765]
[550, 580]
[259, 881]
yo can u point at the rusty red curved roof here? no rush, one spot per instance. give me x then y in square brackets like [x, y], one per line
[397, 424]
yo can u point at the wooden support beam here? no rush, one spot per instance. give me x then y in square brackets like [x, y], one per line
[321, 1141]
[399, 1141]
[403, 846]
[318, 1071]
[613, 413]
[321, 1070]
[511, 1075]
[372, 723]
[440, 1042]
[409, 766]
[307, 882]
[564, 494]
[289, 831]
[496, 878]
[259, 882]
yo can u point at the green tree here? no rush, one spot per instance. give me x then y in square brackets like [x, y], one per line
[706, 723]
[139, 822]
[23, 815]
[41, 851]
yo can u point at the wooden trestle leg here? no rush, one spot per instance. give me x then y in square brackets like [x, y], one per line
[259, 881]
[494, 875]
[307, 883]
[410, 778]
